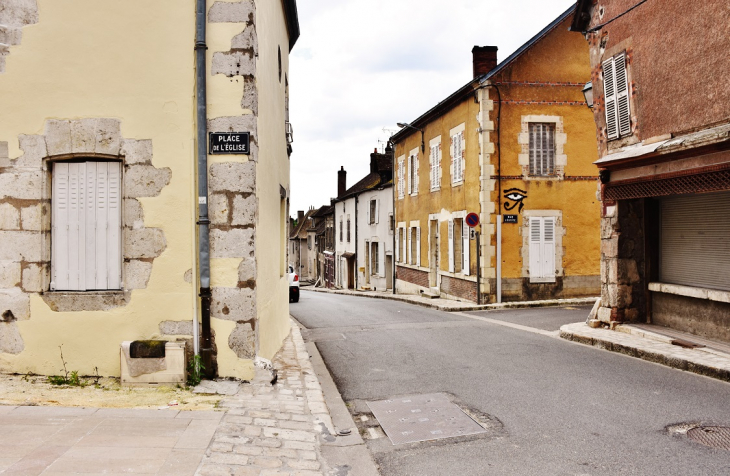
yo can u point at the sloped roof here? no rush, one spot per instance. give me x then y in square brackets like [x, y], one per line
[300, 231]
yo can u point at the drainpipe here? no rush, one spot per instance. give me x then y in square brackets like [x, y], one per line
[357, 245]
[203, 230]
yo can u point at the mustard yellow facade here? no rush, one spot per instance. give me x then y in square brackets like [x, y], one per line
[88, 82]
[528, 150]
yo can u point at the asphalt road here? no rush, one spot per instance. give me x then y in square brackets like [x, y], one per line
[564, 408]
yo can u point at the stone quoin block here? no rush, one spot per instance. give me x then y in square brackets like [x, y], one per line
[237, 177]
[245, 122]
[4, 154]
[9, 217]
[9, 274]
[233, 63]
[136, 151]
[10, 36]
[22, 185]
[144, 243]
[242, 341]
[219, 209]
[17, 13]
[34, 150]
[33, 274]
[36, 217]
[246, 40]
[233, 304]
[235, 243]
[133, 214]
[145, 180]
[83, 136]
[247, 269]
[627, 271]
[244, 210]
[21, 246]
[137, 274]
[228, 12]
[14, 305]
[250, 98]
[58, 137]
[609, 247]
[10, 340]
[108, 136]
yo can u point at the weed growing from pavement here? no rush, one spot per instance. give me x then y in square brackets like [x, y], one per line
[68, 378]
[195, 371]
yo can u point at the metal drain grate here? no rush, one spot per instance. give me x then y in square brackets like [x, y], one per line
[714, 436]
[422, 417]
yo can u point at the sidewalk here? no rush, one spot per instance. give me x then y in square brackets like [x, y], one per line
[283, 429]
[450, 305]
[655, 344]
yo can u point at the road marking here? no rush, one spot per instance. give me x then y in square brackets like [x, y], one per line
[554, 334]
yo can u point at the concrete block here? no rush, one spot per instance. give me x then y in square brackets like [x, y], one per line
[9, 274]
[144, 243]
[246, 40]
[136, 151]
[34, 150]
[235, 243]
[247, 269]
[233, 304]
[227, 12]
[244, 210]
[133, 214]
[14, 305]
[137, 274]
[58, 137]
[22, 185]
[108, 136]
[9, 217]
[145, 180]
[242, 123]
[36, 217]
[242, 341]
[176, 328]
[11, 341]
[237, 177]
[219, 209]
[18, 13]
[21, 246]
[33, 277]
[233, 63]
[83, 136]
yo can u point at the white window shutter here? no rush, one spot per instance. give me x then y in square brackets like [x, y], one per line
[377, 210]
[622, 95]
[462, 162]
[397, 245]
[548, 248]
[410, 174]
[465, 246]
[408, 246]
[451, 246]
[609, 91]
[418, 245]
[438, 165]
[415, 157]
[59, 279]
[536, 270]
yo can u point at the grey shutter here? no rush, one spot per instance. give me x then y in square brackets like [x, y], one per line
[695, 248]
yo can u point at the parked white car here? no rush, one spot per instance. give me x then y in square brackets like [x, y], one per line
[293, 285]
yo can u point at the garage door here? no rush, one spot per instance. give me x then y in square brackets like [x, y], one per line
[695, 240]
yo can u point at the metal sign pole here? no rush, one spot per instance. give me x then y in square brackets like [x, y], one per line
[479, 272]
[499, 258]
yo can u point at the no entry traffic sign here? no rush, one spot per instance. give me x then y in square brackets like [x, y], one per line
[472, 220]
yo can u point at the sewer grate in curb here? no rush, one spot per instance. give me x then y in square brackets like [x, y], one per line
[713, 436]
[416, 418]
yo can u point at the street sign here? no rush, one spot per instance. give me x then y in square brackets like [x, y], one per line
[229, 143]
[472, 220]
[472, 234]
[510, 219]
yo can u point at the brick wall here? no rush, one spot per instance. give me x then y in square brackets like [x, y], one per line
[411, 275]
[459, 287]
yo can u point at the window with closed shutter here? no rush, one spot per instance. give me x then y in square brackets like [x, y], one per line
[86, 226]
[542, 249]
[616, 95]
[542, 148]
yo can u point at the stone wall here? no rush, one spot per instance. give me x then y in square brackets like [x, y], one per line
[25, 218]
[411, 275]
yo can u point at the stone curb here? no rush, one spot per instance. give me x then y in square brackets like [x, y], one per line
[455, 306]
[651, 347]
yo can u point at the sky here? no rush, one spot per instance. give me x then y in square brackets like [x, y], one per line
[361, 66]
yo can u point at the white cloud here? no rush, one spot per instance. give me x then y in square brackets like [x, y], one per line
[360, 66]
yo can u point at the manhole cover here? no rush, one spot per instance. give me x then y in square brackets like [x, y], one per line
[422, 417]
[714, 436]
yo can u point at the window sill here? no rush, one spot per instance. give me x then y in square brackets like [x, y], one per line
[689, 291]
[542, 280]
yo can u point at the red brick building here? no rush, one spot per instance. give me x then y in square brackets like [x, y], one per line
[661, 91]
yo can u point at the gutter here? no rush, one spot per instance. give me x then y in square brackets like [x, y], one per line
[206, 352]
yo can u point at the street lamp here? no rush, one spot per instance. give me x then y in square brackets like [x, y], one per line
[588, 93]
[405, 124]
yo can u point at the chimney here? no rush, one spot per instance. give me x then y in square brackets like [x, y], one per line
[484, 59]
[341, 181]
[300, 216]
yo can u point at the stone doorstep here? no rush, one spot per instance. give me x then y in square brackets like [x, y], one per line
[652, 347]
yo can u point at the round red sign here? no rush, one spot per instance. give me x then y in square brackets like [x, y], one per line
[472, 220]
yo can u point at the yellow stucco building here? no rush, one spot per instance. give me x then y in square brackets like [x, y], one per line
[514, 146]
[101, 211]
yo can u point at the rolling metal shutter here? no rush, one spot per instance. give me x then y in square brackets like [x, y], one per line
[695, 240]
